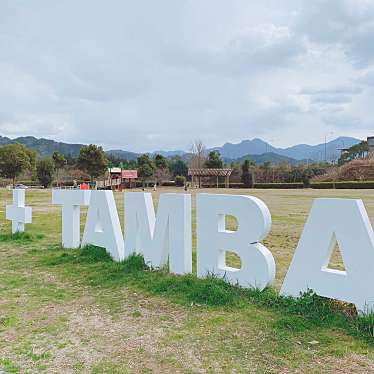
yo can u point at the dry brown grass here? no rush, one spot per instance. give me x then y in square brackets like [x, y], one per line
[356, 170]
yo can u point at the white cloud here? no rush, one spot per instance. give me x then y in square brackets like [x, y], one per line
[148, 75]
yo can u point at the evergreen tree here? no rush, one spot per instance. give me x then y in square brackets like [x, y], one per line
[178, 167]
[44, 171]
[146, 168]
[59, 161]
[247, 173]
[214, 160]
[92, 160]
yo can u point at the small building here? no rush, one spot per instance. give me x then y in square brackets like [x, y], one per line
[126, 174]
[126, 180]
[118, 178]
[197, 174]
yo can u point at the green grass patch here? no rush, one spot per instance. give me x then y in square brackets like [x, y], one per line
[108, 368]
[23, 237]
[310, 311]
[149, 320]
[8, 366]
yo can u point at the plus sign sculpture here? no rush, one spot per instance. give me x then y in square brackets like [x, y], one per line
[17, 212]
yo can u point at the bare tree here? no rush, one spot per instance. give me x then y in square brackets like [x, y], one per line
[198, 157]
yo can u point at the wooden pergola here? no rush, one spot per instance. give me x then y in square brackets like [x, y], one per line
[207, 172]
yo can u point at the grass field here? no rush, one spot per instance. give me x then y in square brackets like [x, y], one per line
[61, 312]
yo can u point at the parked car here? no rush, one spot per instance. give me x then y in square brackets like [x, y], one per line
[21, 186]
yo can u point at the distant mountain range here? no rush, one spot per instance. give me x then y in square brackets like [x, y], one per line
[269, 157]
[255, 149]
[297, 152]
[123, 155]
[170, 153]
[44, 147]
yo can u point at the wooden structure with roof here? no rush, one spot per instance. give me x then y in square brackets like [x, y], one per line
[118, 178]
[209, 172]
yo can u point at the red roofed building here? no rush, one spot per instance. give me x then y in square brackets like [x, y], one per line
[115, 173]
[116, 180]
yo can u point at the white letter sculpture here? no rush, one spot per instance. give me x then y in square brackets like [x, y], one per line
[213, 240]
[103, 228]
[168, 236]
[18, 213]
[71, 200]
[331, 221]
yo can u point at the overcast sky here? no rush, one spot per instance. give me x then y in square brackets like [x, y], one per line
[147, 75]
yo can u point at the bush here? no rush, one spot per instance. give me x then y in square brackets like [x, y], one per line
[322, 185]
[306, 180]
[236, 185]
[168, 184]
[180, 180]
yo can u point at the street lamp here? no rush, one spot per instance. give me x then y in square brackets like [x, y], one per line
[326, 135]
[121, 165]
[110, 173]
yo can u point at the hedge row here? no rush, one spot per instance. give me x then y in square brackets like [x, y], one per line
[279, 185]
[26, 182]
[317, 185]
[344, 185]
[222, 185]
[321, 185]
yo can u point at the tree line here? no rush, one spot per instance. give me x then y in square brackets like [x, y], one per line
[16, 159]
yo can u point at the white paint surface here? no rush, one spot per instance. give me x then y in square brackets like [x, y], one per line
[157, 239]
[168, 235]
[18, 213]
[71, 201]
[331, 220]
[213, 240]
[103, 227]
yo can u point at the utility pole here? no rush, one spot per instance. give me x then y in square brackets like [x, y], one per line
[325, 148]
[330, 133]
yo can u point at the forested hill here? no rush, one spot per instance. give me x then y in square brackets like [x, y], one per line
[271, 157]
[44, 147]
[256, 149]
